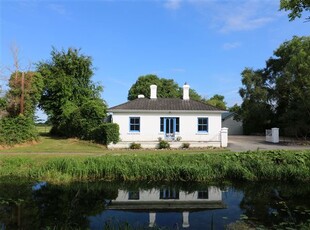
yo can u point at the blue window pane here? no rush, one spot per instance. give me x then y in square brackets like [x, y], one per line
[203, 124]
[134, 124]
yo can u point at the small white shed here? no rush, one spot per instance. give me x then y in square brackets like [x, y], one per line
[234, 127]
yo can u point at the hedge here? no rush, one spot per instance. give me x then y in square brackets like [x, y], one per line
[16, 130]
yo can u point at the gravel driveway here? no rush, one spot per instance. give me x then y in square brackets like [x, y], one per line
[245, 143]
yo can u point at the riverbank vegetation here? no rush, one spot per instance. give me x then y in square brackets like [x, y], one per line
[161, 166]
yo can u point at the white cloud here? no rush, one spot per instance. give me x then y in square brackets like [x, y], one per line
[236, 15]
[59, 9]
[231, 45]
[173, 4]
[243, 15]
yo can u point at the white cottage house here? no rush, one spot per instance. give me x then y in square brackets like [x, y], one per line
[146, 120]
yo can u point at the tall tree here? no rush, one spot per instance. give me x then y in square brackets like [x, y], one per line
[166, 88]
[68, 88]
[24, 93]
[280, 93]
[289, 72]
[296, 8]
[256, 110]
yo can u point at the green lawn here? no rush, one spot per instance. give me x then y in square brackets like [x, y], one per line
[61, 146]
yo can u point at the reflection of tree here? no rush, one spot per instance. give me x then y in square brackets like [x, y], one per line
[55, 206]
[68, 206]
[272, 204]
[17, 209]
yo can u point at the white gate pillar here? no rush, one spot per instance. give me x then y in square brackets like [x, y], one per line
[224, 137]
[275, 135]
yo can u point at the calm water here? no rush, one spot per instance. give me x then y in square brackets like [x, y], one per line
[105, 205]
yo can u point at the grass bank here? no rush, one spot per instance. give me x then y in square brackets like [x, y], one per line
[161, 166]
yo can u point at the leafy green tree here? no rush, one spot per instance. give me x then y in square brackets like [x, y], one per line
[297, 7]
[24, 93]
[236, 109]
[217, 101]
[166, 88]
[289, 73]
[70, 96]
[256, 111]
[280, 93]
[3, 103]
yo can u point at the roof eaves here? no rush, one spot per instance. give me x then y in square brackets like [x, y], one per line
[164, 111]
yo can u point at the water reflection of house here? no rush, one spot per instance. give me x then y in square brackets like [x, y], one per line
[168, 199]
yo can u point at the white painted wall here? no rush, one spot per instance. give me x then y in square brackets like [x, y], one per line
[150, 126]
[215, 194]
[234, 127]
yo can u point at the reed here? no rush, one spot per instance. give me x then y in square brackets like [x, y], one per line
[247, 166]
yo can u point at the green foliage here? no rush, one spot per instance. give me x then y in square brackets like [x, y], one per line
[105, 134]
[166, 88]
[289, 71]
[16, 130]
[236, 109]
[217, 101]
[33, 86]
[256, 110]
[110, 133]
[296, 7]
[163, 144]
[135, 145]
[279, 165]
[70, 99]
[279, 94]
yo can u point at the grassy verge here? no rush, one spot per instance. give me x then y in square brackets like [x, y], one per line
[161, 166]
[52, 146]
[47, 144]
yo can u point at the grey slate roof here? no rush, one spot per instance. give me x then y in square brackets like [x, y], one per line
[164, 104]
[227, 115]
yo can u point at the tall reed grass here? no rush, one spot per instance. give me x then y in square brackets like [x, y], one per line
[247, 166]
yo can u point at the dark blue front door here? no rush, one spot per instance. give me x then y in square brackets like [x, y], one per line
[169, 127]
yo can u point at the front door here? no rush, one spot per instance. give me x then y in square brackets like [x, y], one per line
[170, 126]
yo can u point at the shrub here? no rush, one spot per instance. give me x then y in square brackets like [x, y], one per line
[185, 145]
[16, 130]
[135, 145]
[106, 133]
[163, 144]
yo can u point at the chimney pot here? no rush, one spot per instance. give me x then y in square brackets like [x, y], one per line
[153, 91]
[186, 92]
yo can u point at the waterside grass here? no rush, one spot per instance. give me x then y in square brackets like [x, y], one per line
[278, 165]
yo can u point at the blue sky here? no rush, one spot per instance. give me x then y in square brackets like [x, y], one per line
[204, 43]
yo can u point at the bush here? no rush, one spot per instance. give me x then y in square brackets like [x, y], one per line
[185, 145]
[135, 145]
[163, 144]
[106, 133]
[16, 130]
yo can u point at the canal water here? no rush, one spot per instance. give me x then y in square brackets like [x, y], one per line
[110, 205]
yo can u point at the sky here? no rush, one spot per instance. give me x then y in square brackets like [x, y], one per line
[206, 43]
